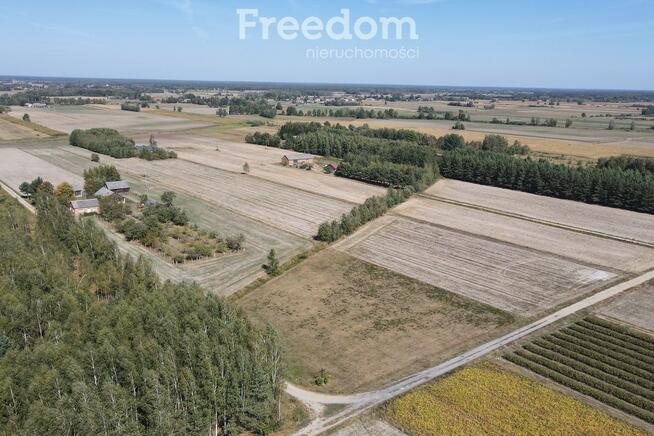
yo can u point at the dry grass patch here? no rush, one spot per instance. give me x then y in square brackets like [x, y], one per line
[485, 399]
[30, 125]
[364, 324]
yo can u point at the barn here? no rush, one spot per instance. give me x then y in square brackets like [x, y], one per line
[297, 159]
[118, 187]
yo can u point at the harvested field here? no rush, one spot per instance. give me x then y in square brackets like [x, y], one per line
[292, 210]
[579, 246]
[511, 278]
[10, 131]
[587, 138]
[635, 307]
[608, 362]
[265, 163]
[224, 275]
[486, 399]
[17, 167]
[619, 223]
[364, 324]
[68, 118]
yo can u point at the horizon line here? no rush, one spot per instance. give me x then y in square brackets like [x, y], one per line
[327, 84]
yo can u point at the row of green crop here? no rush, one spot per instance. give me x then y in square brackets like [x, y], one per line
[589, 370]
[596, 360]
[643, 347]
[591, 337]
[634, 365]
[589, 380]
[581, 387]
[643, 353]
[621, 329]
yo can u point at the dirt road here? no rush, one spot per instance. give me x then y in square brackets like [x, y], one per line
[358, 403]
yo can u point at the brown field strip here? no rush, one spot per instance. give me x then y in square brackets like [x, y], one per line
[264, 163]
[17, 166]
[618, 223]
[635, 307]
[511, 278]
[583, 247]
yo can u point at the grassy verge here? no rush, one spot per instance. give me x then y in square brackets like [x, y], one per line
[33, 126]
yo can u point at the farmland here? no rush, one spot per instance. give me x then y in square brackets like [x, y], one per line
[487, 399]
[546, 238]
[635, 308]
[364, 324]
[68, 118]
[264, 163]
[504, 276]
[288, 209]
[224, 275]
[587, 138]
[11, 131]
[17, 167]
[608, 362]
[616, 223]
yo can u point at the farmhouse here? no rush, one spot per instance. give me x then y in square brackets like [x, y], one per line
[296, 159]
[118, 187]
[84, 207]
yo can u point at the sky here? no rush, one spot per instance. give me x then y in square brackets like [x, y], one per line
[527, 43]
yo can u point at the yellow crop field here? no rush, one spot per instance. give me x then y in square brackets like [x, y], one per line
[486, 399]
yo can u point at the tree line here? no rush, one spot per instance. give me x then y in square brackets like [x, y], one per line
[91, 342]
[612, 187]
[400, 158]
[372, 208]
[110, 142]
[641, 164]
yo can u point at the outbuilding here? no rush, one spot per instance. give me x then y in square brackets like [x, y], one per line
[84, 207]
[118, 187]
[297, 159]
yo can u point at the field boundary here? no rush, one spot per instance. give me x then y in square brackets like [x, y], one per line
[619, 273]
[20, 199]
[269, 181]
[536, 220]
[359, 403]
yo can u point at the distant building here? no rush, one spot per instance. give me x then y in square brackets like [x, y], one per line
[330, 168]
[297, 159]
[118, 187]
[84, 207]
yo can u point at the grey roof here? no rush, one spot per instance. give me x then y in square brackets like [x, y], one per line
[120, 184]
[85, 204]
[299, 156]
[103, 192]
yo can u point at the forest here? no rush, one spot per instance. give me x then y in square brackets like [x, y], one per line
[373, 159]
[400, 158]
[110, 142]
[606, 186]
[91, 342]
